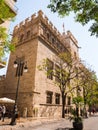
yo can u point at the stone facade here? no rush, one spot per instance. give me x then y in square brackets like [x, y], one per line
[36, 39]
[2, 84]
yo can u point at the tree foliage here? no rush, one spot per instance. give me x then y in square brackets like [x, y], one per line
[64, 72]
[89, 85]
[5, 12]
[85, 11]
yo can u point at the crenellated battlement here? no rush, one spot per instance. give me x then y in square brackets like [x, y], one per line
[33, 18]
[39, 25]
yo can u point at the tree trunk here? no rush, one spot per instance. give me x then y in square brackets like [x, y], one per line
[85, 112]
[77, 111]
[63, 104]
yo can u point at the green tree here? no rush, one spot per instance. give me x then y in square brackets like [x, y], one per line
[5, 14]
[89, 85]
[85, 11]
[64, 72]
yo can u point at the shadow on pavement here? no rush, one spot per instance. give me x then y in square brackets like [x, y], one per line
[67, 128]
[3, 124]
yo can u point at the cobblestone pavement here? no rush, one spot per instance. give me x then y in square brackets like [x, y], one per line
[90, 123]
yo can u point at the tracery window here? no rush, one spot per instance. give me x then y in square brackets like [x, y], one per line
[21, 37]
[57, 98]
[28, 33]
[68, 100]
[50, 65]
[49, 97]
[57, 73]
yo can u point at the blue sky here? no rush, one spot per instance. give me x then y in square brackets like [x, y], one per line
[88, 44]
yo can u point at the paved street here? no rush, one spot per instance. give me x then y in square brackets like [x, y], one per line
[49, 125]
[90, 123]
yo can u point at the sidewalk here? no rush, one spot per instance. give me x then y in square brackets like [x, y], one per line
[24, 122]
[90, 123]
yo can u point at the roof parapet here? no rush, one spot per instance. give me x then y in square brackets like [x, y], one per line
[69, 34]
[40, 15]
[33, 17]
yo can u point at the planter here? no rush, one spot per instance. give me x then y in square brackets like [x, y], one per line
[78, 125]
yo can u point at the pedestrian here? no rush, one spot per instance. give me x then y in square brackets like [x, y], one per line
[93, 111]
[3, 112]
[0, 112]
[16, 111]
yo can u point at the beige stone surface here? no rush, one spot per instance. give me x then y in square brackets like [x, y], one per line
[33, 45]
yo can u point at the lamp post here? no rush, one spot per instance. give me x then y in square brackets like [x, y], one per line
[21, 66]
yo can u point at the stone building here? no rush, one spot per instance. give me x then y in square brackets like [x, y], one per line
[37, 39]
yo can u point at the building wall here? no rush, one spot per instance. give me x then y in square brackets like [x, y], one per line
[26, 85]
[33, 45]
[2, 84]
[43, 84]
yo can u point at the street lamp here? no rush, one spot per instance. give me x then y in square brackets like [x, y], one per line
[21, 66]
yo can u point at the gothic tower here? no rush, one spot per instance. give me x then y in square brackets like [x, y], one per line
[35, 39]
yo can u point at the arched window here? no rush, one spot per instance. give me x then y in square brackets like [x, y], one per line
[52, 40]
[48, 36]
[68, 100]
[57, 98]
[28, 33]
[21, 37]
[49, 97]
[50, 66]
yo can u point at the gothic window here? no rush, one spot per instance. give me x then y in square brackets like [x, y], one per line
[52, 40]
[48, 36]
[50, 69]
[57, 73]
[69, 100]
[49, 97]
[21, 37]
[57, 98]
[44, 32]
[28, 33]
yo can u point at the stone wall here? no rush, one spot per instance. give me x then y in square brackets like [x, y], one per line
[2, 84]
[33, 45]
